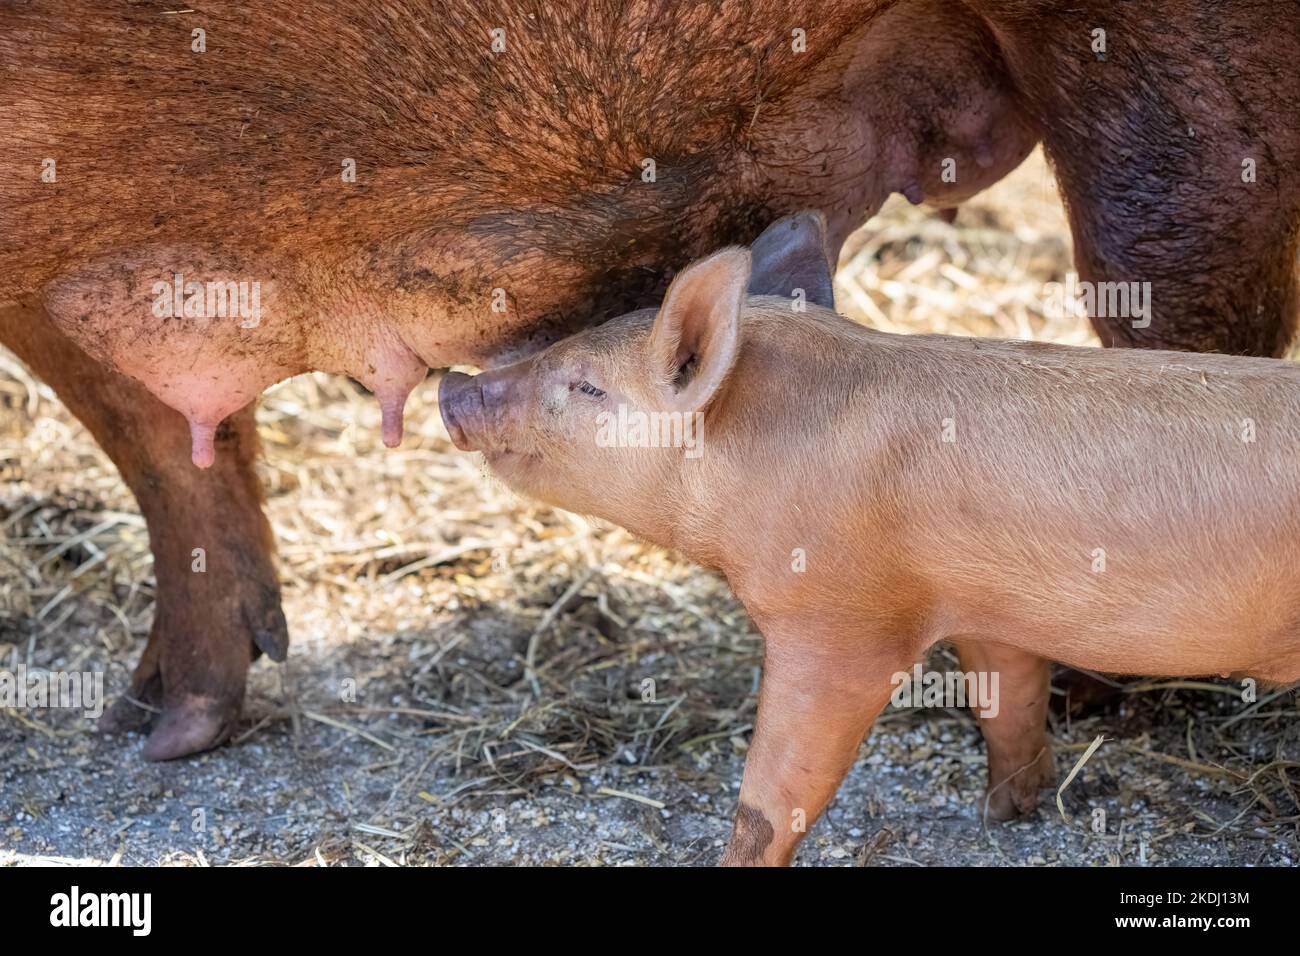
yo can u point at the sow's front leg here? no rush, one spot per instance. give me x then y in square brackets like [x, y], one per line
[208, 625]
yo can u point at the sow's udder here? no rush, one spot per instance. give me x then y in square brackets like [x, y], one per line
[208, 335]
[947, 120]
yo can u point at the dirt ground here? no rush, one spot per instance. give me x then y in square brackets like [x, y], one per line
[468, 677]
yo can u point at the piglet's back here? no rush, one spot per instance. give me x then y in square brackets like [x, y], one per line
[1028, 487]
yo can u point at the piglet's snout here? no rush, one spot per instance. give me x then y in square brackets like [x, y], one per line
[475, 407]
[461, 403]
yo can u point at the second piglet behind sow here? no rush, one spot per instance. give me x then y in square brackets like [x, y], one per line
[868, 495]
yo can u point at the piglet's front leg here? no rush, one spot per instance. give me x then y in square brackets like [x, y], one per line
[819, 698]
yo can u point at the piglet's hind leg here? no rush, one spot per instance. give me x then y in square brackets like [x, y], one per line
[1015, 728]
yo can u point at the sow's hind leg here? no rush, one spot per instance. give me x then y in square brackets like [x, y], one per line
[1178, 172]
[209, 625]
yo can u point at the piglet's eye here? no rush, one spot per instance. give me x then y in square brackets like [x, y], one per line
[588, 389]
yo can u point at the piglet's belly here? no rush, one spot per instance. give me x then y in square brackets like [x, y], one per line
[1160, 637]
[1209, 652]
[1184, 563]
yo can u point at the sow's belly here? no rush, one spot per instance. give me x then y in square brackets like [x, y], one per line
[207, 330]
[207, 334]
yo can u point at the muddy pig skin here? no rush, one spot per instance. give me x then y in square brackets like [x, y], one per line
[867, 495]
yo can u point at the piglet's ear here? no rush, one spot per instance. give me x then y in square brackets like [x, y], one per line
[696, 335]
[791, 254]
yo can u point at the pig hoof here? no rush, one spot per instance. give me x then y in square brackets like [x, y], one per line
[124, 716]
[136, 709]
[1018, 795]
[1003, 805]
[189, 727]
